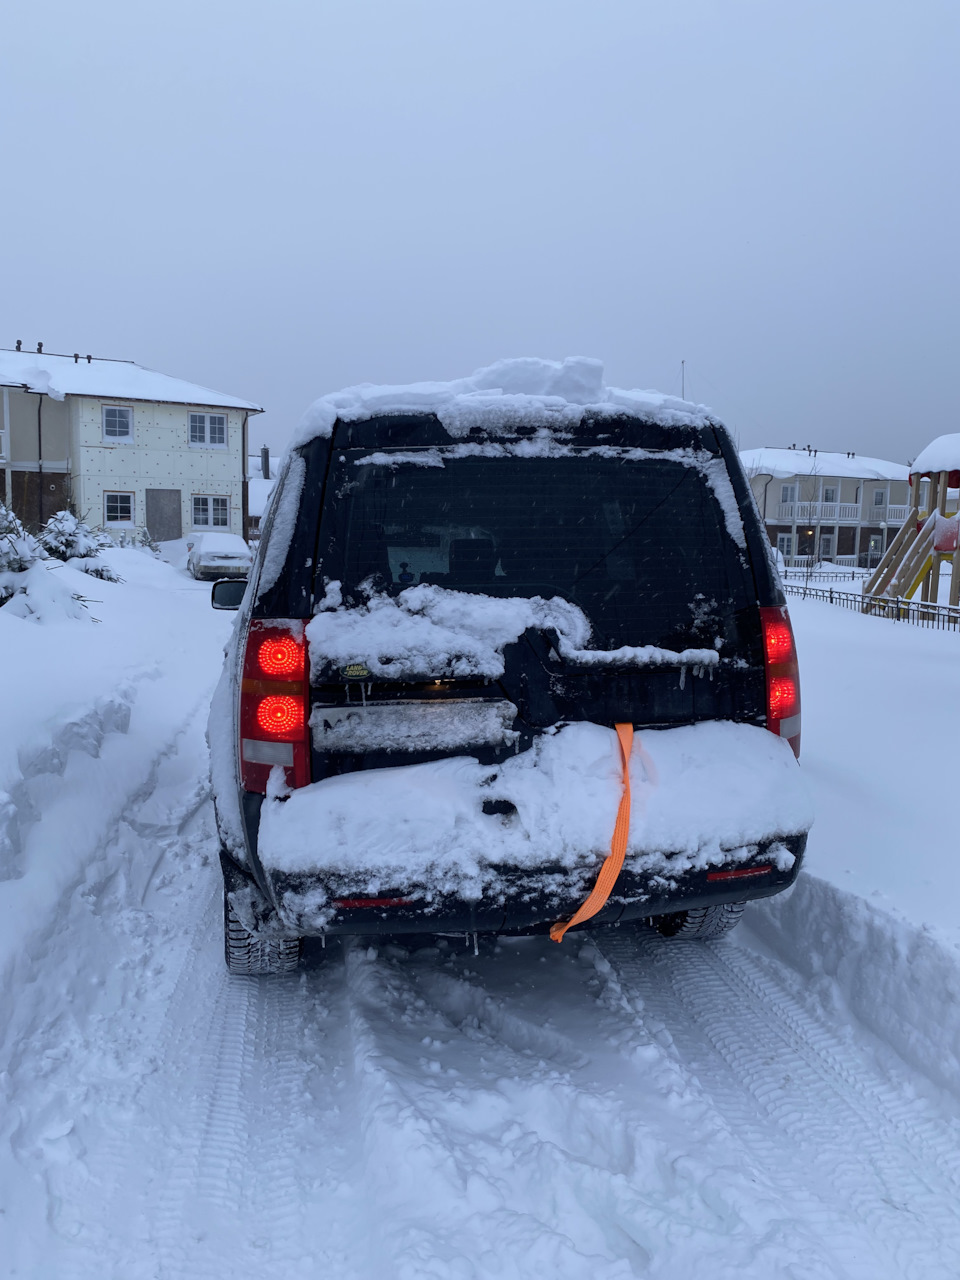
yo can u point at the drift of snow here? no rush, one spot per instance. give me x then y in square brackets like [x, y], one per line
[701, 795]
[433, 632]
[525, 391]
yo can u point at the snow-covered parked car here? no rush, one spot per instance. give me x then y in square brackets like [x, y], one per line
[515, 656]
[219, 555]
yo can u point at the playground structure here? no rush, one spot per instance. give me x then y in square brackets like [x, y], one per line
[929, 535]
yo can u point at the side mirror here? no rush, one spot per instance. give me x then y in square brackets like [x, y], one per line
[226, 593]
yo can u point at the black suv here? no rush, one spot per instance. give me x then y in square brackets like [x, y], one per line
[628, 552]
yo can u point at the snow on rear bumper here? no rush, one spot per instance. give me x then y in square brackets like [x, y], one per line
[517, 900]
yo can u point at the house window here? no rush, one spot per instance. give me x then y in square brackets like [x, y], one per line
[211, 512]
[826, 546]
[829, 493]
[208, 429]
[117, 422]
[879, 497]
[788, 493]
[785, 545]
[118, 508]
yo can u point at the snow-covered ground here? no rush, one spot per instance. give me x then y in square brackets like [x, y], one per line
[785, 1103]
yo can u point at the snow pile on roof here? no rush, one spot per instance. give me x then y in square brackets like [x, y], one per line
[526, 391]
[797, 462]
[430, 632]
[258, 494]
[59, 376]
[702, 795]
[942, 454]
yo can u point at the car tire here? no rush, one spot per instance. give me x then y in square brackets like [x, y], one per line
[700, 922]
[248, 955]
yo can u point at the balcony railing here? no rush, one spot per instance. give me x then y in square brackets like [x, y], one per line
[821, 512]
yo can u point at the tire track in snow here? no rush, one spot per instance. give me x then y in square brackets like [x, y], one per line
[520, 1162]
[432, 1140]
[786, 1079]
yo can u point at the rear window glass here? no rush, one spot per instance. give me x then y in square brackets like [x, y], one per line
[641, 546]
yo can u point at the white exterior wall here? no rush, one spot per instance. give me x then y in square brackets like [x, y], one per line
[159, 456]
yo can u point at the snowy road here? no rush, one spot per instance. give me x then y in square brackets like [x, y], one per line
[622, 1106]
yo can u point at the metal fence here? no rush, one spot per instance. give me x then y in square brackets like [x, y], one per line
[803, 576]
[942, 617]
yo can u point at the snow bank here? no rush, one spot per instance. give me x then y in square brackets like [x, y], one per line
[897, 978]
[704, 794]
[48, 592]
[432, 632]
[882, 759]
[526, 391]
[69, 691]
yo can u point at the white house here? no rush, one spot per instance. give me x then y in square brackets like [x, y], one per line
[828, 506]
[123, 446]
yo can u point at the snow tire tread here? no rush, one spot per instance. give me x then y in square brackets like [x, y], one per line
[700, 922]
[249, 955]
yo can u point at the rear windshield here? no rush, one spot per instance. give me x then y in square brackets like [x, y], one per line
[641, 546]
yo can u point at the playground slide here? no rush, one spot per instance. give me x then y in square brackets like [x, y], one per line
[937, 537]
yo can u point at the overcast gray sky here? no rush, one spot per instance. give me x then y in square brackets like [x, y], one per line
[280, 199]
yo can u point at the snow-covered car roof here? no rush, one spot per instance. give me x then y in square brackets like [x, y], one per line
[220, 544]
[59, 376]
[818, 462]
[527, 391]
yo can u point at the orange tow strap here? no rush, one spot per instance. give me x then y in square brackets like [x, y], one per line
[618, 847]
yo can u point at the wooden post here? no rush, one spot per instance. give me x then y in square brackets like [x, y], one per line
[954, 574]
[934, 593]
[932, 497]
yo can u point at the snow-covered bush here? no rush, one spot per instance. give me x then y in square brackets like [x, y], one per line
[18, 549]
[66, 537]
[139, 537]
[27, 588]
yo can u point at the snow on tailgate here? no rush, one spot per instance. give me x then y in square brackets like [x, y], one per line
[703, 794]
[431, 631]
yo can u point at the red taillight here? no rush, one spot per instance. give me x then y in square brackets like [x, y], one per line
[739, 873]
[783, 676]
[778, 641]
[274, 697]
[782, 698]
[281, 656]
[281, 717]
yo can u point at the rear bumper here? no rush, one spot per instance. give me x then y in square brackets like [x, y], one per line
[523, 903]
[213, 573]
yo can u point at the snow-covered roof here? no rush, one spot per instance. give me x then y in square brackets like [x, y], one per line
[529, 391]
[797, 462]
[59, 376]
[258, 491]
[942, 454]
